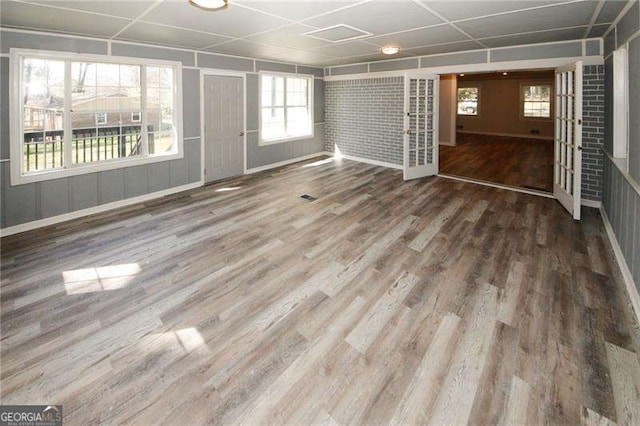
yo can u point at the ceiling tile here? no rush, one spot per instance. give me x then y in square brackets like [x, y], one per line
[246, 48]
[300, 56]
[423, 37]
[233, 21]
[610, 11]
[530, 38]
[24, 15]
[349, 48]
[561, 16]
[126, 9]
[598, 30]
[170, 36]
[290, 36]
[379, 17]
[445, 48]
[454, 10]
[295, 10]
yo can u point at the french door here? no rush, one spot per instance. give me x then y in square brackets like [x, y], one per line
[567, 167]
[420, 125]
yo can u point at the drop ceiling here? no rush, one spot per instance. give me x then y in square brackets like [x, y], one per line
[275, 30]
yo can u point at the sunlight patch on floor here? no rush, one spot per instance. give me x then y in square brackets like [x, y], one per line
[104, 278]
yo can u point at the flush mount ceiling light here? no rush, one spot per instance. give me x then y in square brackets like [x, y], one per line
[390, 50]
[210, 4]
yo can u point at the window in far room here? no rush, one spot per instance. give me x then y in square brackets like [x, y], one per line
[286, 107]
[536, 101]
[468, 100]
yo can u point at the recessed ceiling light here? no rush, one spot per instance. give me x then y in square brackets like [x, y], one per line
[390, 50]
[505, 73]
[461, 75]
[210, 4]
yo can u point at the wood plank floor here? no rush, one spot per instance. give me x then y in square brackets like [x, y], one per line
[525, 163]
[430, 301]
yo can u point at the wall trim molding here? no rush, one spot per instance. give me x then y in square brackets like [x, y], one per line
[23, 227]
[285, 163]
[509, 135]
[632, 290]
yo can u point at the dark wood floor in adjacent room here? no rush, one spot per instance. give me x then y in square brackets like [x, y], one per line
[525, 163]
[429, 301]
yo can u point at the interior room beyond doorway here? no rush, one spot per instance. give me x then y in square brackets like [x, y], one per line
[498, 127]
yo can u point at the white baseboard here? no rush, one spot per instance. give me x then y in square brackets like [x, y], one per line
[591, 203]
[632, 290]
[509, 135]
[447, 143]
[374, 162]
[93, 210]
[286, 162]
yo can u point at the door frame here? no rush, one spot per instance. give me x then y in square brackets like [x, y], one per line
[223, 73]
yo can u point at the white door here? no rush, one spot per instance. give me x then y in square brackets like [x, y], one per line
[223, 127]
[567, 167]
[420, 125]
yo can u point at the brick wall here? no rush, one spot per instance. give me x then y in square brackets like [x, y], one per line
[364, 118]
[592, 131]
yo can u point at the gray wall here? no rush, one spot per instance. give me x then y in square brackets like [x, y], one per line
[25, 203]
[621, 198]
[364, 118]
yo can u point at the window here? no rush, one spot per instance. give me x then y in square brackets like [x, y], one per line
[87, 113]
[468, 100]
[286, 104]
[101, 118]
[621, 107]
[536, 101]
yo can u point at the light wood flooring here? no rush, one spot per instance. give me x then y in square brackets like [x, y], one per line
[430, 301]
[525, 163]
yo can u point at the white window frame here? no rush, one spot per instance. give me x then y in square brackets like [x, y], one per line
[523, 86]
[100, 114]
[620, 125]
[469, 86]
[139, 114]
[18, 177]
[310, 99]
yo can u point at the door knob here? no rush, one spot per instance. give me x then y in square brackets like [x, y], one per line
[241, 134]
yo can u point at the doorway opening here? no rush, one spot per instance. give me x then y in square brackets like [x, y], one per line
[498, 127]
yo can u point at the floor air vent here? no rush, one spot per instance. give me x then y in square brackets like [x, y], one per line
[308, 197]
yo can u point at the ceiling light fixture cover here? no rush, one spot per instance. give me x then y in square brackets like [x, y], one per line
[390, 50]
[210, 4]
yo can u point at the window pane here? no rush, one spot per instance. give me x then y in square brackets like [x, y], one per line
[273, 123]
[298, 121]
[105, 87]
[162, 143]
[297, 91]
[42, 114]
[468, 101]
[115, 138]
[160, 111]
[272, 91]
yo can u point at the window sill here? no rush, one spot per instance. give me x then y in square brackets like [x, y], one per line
[285, 140]
[17, 179]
